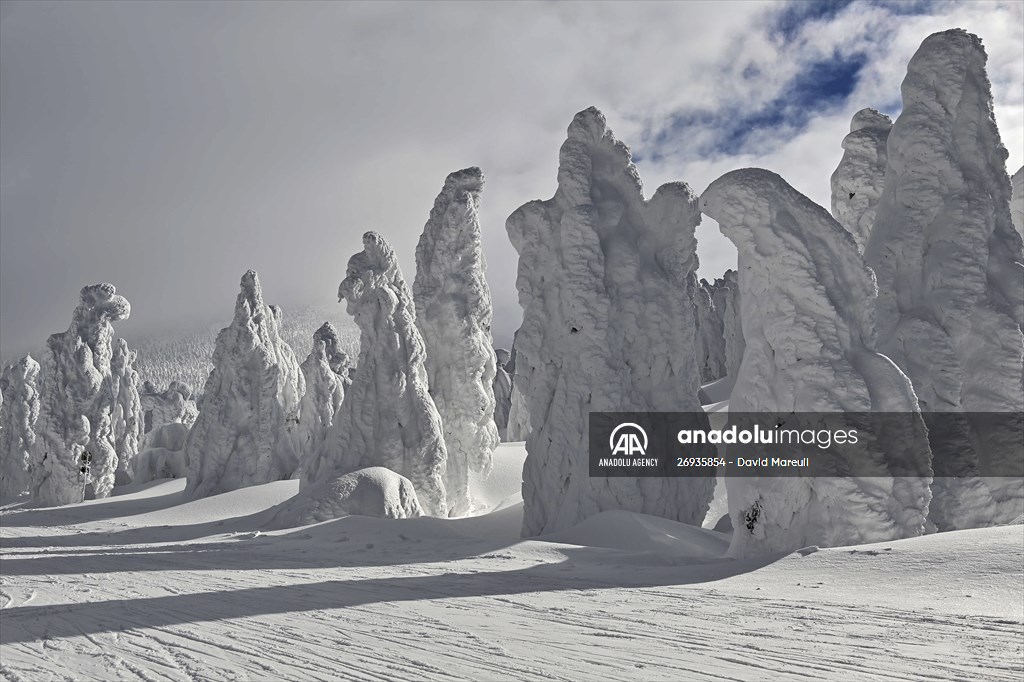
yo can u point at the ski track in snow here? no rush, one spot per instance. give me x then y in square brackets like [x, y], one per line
[133, 597]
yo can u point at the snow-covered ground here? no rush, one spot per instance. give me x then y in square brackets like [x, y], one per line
[144, 586]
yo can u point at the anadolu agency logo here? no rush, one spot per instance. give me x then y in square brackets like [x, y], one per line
[627, 446]
[628, 439]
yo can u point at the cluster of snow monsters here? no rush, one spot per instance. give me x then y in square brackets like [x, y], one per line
[167, 417]
[453, 314]
[19, 410]
[244, 434]
[89, 413]
[608, 325]
[951, 276]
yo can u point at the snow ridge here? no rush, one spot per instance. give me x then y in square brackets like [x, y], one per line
[810, 342]
[19, 410]
[453, 314]
[388, 418]
[950, 272]
[608, 324]
[250, 403]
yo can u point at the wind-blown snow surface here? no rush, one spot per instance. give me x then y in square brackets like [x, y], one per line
[145, 586]
[453, 314]
[608, 325]
[19, 410]
[388, 418]
[250, 403]
[76, 404]
[810, 340]
[858, 180]
[951, 278]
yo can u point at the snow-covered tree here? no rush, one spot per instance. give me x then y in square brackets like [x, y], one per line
[387, 418]
[950, 277]
[127, 409]
[325, 370]
[608, 325]
[808, 323]
[75, 454]
[453, 314]
[710, 344]
[242, 436]
[1017, 201]
[19, 409]
[518, 412]
[502, 387]
[857, 181]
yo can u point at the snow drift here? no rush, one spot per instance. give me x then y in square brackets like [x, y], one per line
[608, 325]
[950, 276]
[858, 180]
[453, 314]
[249, 405]
[19, 410]
[810, 342]
[374, 491]
[388, 418]
[75, 454]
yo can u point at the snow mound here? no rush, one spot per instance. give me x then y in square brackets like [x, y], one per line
[374, 491]
[388, 418]
[251, 401]
[810, 348]
[453, 314]
[605, 284]
[616, 529]
[858, 180]
[950, 270]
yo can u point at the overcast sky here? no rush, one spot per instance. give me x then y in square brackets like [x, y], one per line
[169, 147]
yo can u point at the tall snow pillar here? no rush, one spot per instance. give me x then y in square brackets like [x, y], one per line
[608, 325]
[127, 420]
[951, 280]
[453, 314]
[325, 370]
[251, 400]
[19, 410]
[388, 418]
[807, 317]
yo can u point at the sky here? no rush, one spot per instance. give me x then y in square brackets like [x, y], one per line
[169, 147]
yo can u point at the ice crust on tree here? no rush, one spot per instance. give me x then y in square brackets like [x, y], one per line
[325, 370]
[950, 276]
[173, 405]
[75, 427]
[1017, 201]
[502, 388]
[453, 314]
[608, 325]
[374, 491]
[858, 180]
[19, 410]
[710, 348]
[388, 418]
[250, 405]
[127, 410]
[810, 347]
